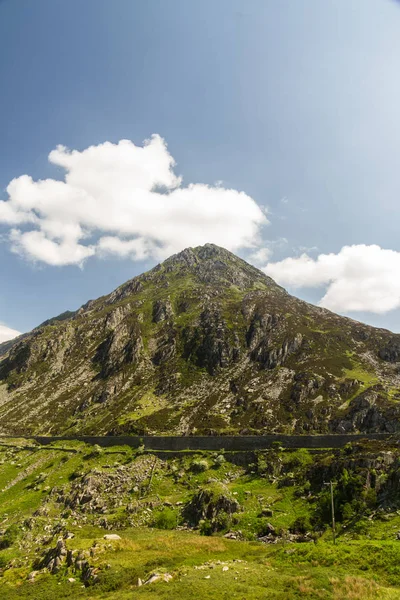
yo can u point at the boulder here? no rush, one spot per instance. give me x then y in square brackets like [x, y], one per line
[112, 536]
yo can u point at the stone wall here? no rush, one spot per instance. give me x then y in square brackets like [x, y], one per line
[228, 443]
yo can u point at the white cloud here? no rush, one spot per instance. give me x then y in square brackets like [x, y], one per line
[260, 257]
[358, 278]
[7, 334]
[124, 200]
[35, 244]
[136, 249]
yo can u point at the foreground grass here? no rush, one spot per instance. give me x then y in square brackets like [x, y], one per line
[199, 567]
[214, 567]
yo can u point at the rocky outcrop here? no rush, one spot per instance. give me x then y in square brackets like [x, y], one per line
[162, 310]
[261, 325]
[391, 352]
[17, 360]
[209, 502]
[54, 558]
[165, 347]
[305, 386]
[209, 343]
[366, 414]
[269, 358]
[123, 345]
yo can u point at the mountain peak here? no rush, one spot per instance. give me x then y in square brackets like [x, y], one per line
[193, 255]
[207, 265]
[212, 264]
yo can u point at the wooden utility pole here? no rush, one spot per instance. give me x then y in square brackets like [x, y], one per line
[151, 474]
[333, 512]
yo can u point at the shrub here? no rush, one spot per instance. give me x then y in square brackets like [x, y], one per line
[277, 446]
[140, 450]
[262, 527]
[199, 466]
[9, 538]
[222, 521]
[303, 491]
[3, 561]
[219, 460]
[300, 458]
[205, 527]
[96, 452]
[165, 519]
[300, 525]
[77, 473]
[261, 464]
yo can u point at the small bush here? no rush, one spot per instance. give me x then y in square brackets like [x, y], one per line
[299, 459]
[301, 525]
[3, 561]
[205, 527]
[277, 446]
[222, 521]
[112, 580]
[96, 452]
[261, 527]
[219, 460]
[303, 491]
[76, 474]
[199, 466]
[9, 538]
[165, 519]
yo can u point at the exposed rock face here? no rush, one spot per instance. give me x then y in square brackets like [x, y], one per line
[210, 502]
[16, 361]
[391, 352]
[162, 310]
[366, 414]
[208, 342]
[123, 344]
[202, 343]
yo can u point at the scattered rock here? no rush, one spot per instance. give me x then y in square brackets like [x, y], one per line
[158, 577]
[267, 512]
[112, 536]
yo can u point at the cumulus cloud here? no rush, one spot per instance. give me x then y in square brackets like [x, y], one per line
[358, 278]
[124, 200]
[260, 256]
[7, 334]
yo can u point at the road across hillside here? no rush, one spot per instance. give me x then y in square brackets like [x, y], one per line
[230, 443]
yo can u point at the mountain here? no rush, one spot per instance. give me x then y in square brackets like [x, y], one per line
[203, 343]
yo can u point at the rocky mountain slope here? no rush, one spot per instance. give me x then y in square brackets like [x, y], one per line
[202, 343]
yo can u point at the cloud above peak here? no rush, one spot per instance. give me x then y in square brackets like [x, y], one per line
[358, 278]
[123, 200]
[6, 333]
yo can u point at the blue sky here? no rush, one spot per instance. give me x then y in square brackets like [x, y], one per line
[293, 103]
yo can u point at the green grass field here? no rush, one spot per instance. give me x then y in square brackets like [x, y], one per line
[146, 508]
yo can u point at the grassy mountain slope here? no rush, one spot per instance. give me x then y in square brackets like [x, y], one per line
[202, 343]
